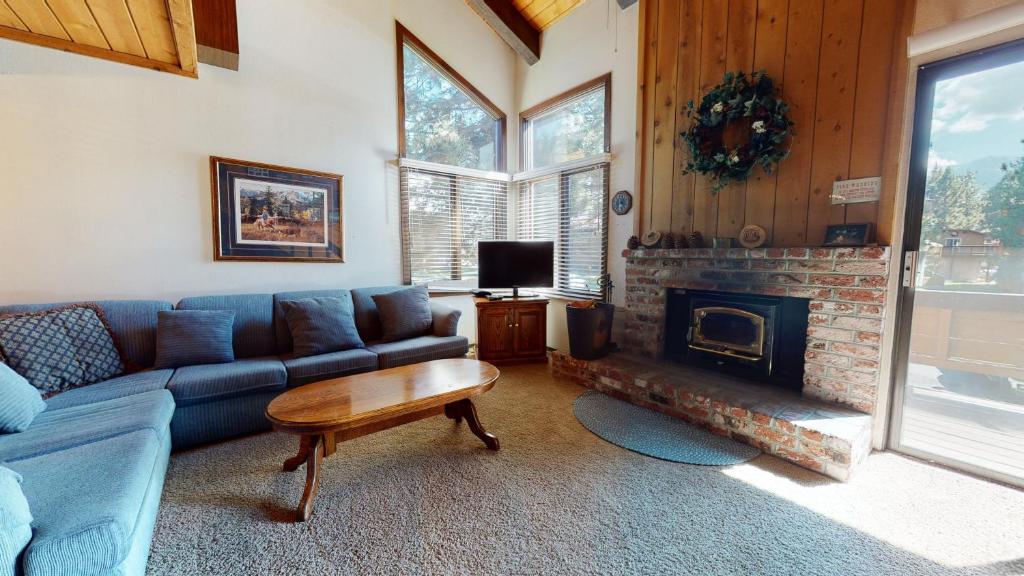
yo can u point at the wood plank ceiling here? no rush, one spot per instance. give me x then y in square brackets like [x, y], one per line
[156, 34]
[543, 13]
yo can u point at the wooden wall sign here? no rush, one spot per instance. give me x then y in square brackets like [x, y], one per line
[856, 191]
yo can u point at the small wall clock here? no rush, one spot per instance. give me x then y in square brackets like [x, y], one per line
[622, 202]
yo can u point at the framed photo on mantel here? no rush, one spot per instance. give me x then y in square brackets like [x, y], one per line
[263, 212]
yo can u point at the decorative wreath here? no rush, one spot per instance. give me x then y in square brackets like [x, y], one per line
[739, 98]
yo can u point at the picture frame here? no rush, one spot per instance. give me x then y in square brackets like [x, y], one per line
[848, 235]
[270, 213]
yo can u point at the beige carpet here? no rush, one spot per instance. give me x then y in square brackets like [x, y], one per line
[428, 498]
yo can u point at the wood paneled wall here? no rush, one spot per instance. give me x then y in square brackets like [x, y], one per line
[834, 62]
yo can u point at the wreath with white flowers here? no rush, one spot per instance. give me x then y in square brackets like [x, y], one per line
[739, 98]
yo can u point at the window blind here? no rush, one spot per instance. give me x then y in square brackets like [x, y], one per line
[445, 212]
[570, 208]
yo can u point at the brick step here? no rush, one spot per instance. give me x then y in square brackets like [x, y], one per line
[827, 438]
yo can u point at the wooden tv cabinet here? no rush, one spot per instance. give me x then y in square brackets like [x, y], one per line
[512, 330]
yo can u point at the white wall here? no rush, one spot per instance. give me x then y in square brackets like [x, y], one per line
[594, 39]
[104, 171]
[104, 174]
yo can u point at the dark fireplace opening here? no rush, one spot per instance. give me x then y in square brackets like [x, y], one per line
[757, 337]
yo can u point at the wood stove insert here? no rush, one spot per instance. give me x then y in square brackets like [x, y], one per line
[758, 337]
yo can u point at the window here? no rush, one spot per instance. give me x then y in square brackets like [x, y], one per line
[444, 216]
[453, 189]
[444, 120]
[563, 194]
[569, 127]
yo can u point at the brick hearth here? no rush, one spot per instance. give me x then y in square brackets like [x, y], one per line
[827, 428]
[846, 288]
[817, 435]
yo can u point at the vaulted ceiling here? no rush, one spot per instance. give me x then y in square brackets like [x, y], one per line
[543, 13]
[521, 22]
[156, 34]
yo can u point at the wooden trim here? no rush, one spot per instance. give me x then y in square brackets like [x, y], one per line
[526, 115]
[183, 29]
[93, 51]
[402, 37]
[214, 160]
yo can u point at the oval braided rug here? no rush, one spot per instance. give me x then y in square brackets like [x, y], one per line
[655, 434]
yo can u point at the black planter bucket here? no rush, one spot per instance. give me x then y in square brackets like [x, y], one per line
[590, 330]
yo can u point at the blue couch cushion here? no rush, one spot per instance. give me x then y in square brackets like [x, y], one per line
[209, 382]
[326, 366]
[367, 315]
[404, 313]
[189, 337]
[421, 349]
[121, 386]
[20, 402]
[15, 522]
[61, 348]
[132, 321]
[86, 501]
[281, 331]
[321, 325]
[55, 430]
[254, 320]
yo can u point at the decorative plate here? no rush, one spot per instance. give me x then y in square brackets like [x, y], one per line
[622, 202]
[651, 239]
[752, 236]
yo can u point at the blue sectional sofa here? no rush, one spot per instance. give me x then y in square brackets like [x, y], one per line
[93, 463]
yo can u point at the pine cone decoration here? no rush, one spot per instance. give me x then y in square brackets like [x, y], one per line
[633, 243]
[668, 241]
[681, 241]
[696, 240]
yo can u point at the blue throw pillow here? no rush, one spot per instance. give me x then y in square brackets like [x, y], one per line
[404, 313]
[191, 337]
[20, 402]
[321, 325]
[15, 522]
[62, 348]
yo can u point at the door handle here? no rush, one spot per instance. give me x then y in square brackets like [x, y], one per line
[909, 268]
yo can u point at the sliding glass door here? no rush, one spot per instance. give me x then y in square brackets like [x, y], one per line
[960, 378]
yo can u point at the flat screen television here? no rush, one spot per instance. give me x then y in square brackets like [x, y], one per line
[516, 264]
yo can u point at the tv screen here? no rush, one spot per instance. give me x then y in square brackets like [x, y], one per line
[515, 264]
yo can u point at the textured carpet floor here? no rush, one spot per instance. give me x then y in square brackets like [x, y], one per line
[428, 498]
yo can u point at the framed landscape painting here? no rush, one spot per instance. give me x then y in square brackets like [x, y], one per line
[264, 212]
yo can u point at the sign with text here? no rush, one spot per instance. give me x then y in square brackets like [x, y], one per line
[854, 191]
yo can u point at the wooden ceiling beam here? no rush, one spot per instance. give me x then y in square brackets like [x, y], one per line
[217, 32]
[511, 26]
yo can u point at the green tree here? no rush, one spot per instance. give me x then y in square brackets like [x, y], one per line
[1004, 207]
[1004, 217]
[952, 202]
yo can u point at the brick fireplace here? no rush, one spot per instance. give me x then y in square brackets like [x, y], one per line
[827, 426]
[845, 286]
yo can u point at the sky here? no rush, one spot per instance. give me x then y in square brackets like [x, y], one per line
[978, 115]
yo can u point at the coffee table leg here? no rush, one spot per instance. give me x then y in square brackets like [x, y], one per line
[313, 462]
[466, 409]
[292, 464]
[452, 411]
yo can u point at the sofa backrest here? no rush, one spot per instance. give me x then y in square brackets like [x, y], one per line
[367, 316]
[283, 333]
[132, 321]
[254, 320]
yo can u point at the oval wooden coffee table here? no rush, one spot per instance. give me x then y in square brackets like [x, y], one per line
[331, 411]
